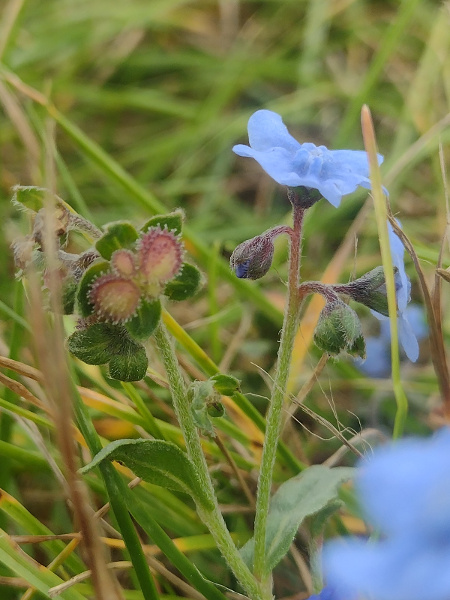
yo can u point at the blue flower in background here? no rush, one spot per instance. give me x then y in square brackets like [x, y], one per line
[377, 363]
[334, 173]
[404, 490]
[406, 334]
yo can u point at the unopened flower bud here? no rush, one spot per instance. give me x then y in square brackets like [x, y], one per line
[370, 290]
[253, 258]
[339, 329]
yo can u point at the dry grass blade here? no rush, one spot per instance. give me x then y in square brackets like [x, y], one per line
[49, 342]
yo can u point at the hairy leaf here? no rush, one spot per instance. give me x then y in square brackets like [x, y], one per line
[302, 495]
[158, 462]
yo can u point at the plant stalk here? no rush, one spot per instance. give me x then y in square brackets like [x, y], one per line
[274, 416]
[212, 518]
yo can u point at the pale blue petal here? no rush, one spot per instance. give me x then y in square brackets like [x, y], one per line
[334, 173]
[277, 162]
[266, 130]
[416, 317]
[398, 253]
[404, 568]
[406, 486]
[407, 338]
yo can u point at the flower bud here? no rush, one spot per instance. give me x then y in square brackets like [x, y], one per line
[370, 290]
[253, 258]
[339, 329]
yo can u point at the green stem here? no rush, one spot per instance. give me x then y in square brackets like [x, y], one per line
[274, 416]
[213, 518]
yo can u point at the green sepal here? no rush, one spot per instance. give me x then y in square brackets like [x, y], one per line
[144, 323]
[358, 349]
[185, 285]
[200, 394]
[205, 405]
[226, 385]
[96, 344]
[173, 222]
[84, 306]
[117, 235]
[155, 461]
[130, 363]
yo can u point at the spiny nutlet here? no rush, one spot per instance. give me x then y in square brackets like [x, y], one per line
[123, 263]
[159, 256]
[115, 298]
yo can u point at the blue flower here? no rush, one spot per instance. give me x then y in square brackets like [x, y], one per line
[377, 363]
[404, 490]
[334, 173]
[406, 335]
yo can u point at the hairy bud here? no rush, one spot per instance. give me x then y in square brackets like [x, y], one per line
[253, 258]
[370, 290]
[339, 329]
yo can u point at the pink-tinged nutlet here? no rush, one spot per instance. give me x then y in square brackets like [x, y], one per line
[123, 263]
[115, 298]
[159, 259]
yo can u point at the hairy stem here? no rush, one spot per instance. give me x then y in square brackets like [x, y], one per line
[213, 518]
[274, 416]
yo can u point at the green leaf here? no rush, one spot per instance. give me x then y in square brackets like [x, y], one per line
[318, 521]
[96, 344]
[130, 364]
[118, 235]
[226, 385]
[143, 324]
[185, 285]
[85, 308]
[158, 462]
[173, 222]
[302, 495]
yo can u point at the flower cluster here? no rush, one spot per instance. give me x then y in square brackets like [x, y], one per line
[404, 490]
[334, 173]
[136, 275]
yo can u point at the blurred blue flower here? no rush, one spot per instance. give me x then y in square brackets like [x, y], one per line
[377, 363]
[404, 490]
[406, 334]
[334, 173]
